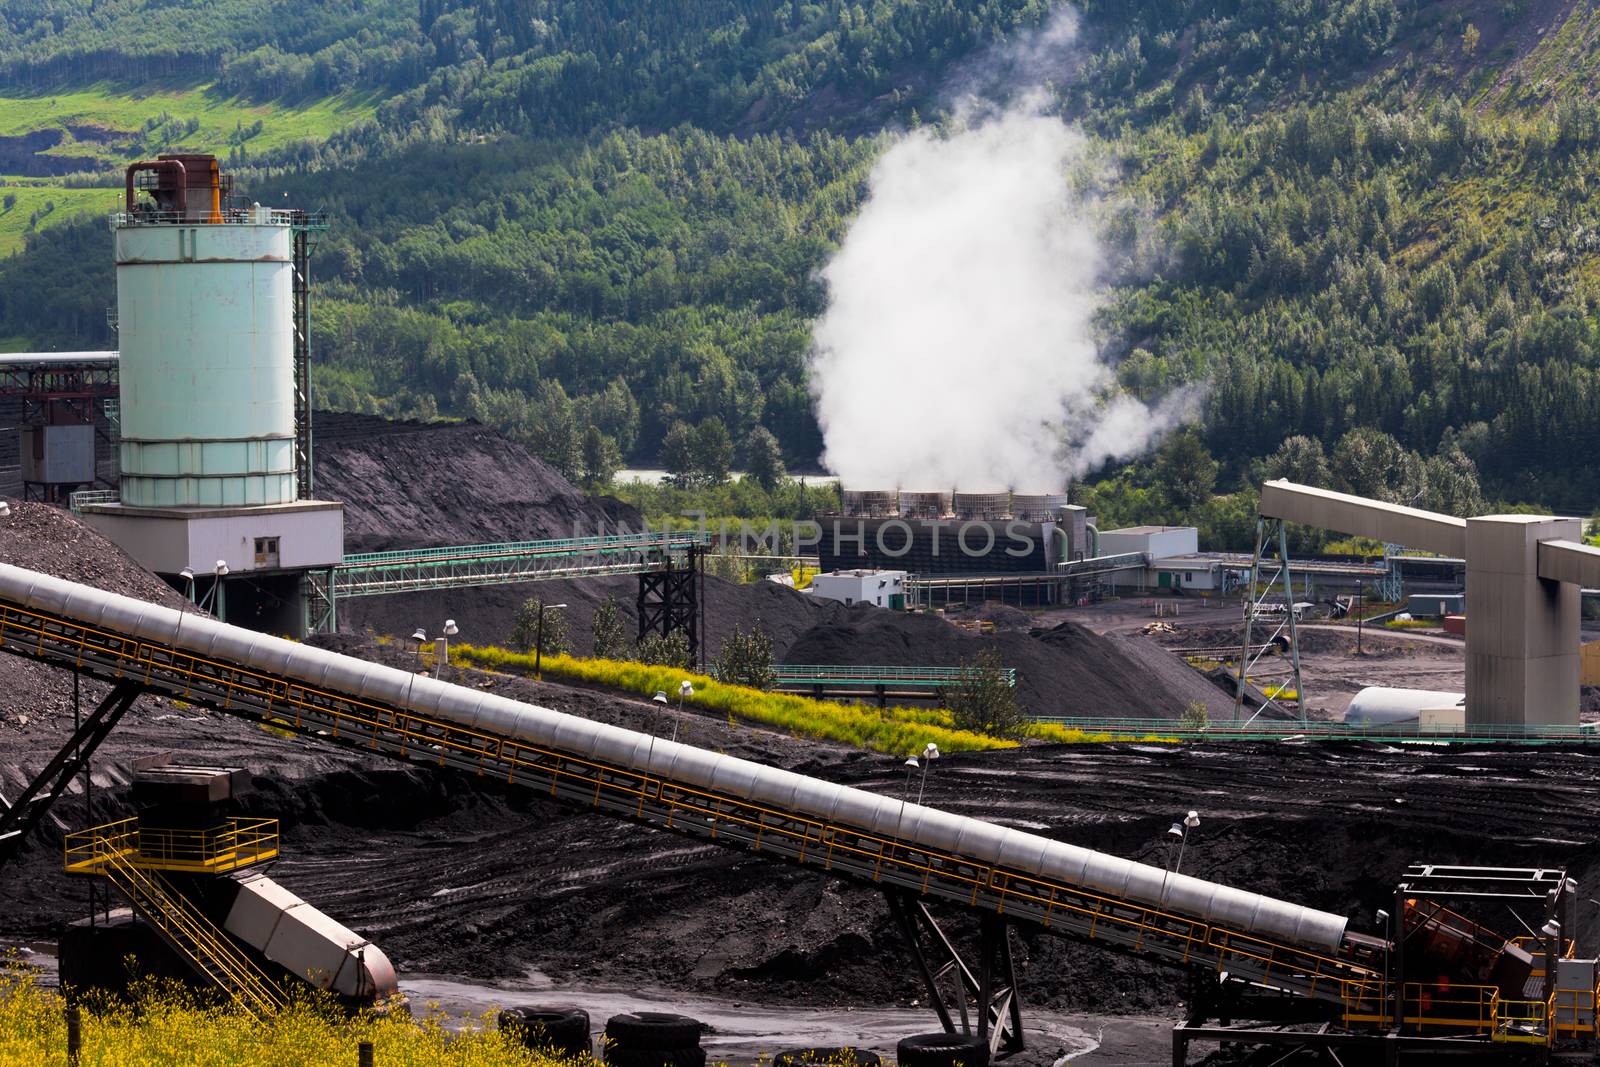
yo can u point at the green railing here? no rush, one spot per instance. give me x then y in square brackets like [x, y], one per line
[837, 675]
[569, 546]
[1294, 729]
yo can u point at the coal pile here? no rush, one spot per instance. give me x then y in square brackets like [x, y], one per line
[423, 485]
[1065, 670]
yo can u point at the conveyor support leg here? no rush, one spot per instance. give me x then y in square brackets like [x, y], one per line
[18, 819]
[993, 989]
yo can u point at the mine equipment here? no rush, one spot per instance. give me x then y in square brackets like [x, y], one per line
[184, 862]
[1252, 944]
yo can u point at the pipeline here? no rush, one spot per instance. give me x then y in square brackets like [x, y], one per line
[337, 699]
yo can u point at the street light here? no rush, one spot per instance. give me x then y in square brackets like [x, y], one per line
[1180, 830]
[188, 576]
[5, 510]
[421, 638]
[905, 792]
[442, 647]
[538, 641]
[929, 754]
[684, 690]
[218, 602]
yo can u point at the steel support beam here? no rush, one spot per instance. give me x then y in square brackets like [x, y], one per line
[996, 1008]
[19, 818]
[1269, 567]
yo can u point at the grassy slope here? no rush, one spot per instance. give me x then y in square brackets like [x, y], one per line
[125, 113]
[122, 117]
[31, 199]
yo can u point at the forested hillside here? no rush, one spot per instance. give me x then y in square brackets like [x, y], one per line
[1363, 225]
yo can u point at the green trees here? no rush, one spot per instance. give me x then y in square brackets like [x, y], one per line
[669, 651]
[601, 458]
[764, 459]
[713, 452]
[984, 701]
[541, 627]
[1186, 469]
[746, 659]
[610, 638]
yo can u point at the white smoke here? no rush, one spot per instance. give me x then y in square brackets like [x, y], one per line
[957, 348]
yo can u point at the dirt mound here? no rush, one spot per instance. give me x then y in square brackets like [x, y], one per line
[46, 538]
[420, 485]
[1065, 670]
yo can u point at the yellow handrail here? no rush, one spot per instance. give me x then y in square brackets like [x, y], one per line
[228, 846]
[192, 935]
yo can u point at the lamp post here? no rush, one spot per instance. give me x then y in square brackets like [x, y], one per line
[538, 641]
[905, 793]
[929, 754]
[1180, 830]
[442, 647]
[684, 690]
[218, 602]
[421, 638]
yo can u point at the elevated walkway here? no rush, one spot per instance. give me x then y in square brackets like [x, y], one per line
[234, 844]
[505, 563]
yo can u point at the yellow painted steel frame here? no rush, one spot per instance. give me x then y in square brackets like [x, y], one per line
[186, 930]
[695, 812]
[1479, 1010]
[233, 844]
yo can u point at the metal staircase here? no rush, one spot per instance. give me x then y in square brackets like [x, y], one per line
[194, 937]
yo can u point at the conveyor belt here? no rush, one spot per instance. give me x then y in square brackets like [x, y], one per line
[735, 803]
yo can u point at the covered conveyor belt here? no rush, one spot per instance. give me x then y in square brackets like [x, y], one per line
[731, 802]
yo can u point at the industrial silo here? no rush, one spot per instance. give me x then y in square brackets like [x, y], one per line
[205, 324]
[215, 400]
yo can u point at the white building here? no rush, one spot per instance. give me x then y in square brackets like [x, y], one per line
[883, 589]
[1173, 554]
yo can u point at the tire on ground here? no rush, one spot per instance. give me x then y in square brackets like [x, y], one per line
[943, 1050]
[652, 1031]
[563, 1030]
[617, 1056]
[826, 1057]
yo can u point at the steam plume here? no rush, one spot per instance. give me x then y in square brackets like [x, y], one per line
[957, 348]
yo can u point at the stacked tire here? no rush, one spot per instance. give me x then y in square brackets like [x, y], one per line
[826, 1057]
[943, 1050]
[653, 1039]
[563, 1032]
